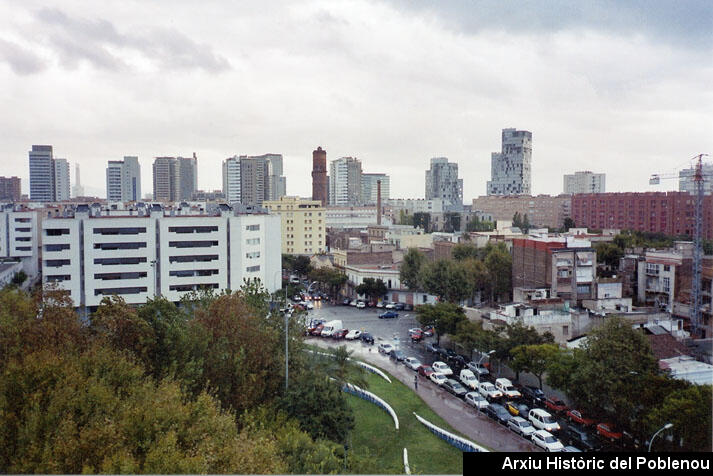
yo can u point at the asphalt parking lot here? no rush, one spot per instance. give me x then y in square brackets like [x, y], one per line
[460, 416]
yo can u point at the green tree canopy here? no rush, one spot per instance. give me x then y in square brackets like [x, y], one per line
[410, 270]
[372, 288]
[443, 316]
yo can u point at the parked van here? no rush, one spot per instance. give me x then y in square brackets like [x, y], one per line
[506, 386]
[331, 327]
[469, 379]
[542, 420]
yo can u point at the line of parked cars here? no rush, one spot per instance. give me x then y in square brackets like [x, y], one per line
[389, 306]
[335, 330]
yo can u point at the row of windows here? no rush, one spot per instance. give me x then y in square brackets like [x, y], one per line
[56, 263]
[57, 278]
[252, 255]
[120, 291]
[192, 259]
[192, 229]
[120, 246]
[115, 261]
[191, 272]
[252, 227]
[252, 241]
[114, 276]
[120, 231]
[192, 287]
[252, 269]
[192, 244]
[56, 231]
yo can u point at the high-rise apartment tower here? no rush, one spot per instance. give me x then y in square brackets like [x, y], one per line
[510, 169]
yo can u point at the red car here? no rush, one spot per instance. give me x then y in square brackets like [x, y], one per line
[607, 430]
[428, 331]
[576, 416]
[425, 370]
[555, 404]
[340, 334]
[317, 331]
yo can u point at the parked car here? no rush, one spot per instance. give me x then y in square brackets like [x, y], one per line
[399, 306]
[477, 369]
[571, 449]
[366, 338]
[489, 391]
[476, 400]
[521, 426]
[340, 334]
[579, 436]
[353, 302]
[428, 331]
[469, 379]
[542, 420]
[498, 413]
[380, 304]
[577, 417]
[345, 302]
[452, 386]
[353, 334]
[388, 315]
[546, 441]
[416, 336]
[508, 389]
[397, 355]
[317, 331]
[412, 363]
[442, 368]
[555, 404]
[385, 348]
[438, 379]
[309, 305]
[425, 370]
[389, 305]
[431, 347]
[442, 353]
[608, 431]
[360, 304]
[516, 409]
[534, 395]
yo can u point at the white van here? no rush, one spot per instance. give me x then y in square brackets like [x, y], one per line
[330, 327]
[469, 379]
[542, 420]
[506, 386]
[489, 391]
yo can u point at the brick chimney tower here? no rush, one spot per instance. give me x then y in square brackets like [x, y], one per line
[378, 202]
[319, 176]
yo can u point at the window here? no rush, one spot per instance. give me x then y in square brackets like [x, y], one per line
[252, 269]
[60, 247]
[56, 263]
[119, 261]
[119, 246]
[57, 231]
[253, 228]
[666, 267]
[119, 231]
[192, 244]
[192, 259]
[252, 241]
[113, 276]
[192, 287]
[191, 229]
[565, 330]
[57, 278]
[119, 291]
[252, 255]
[667, 285]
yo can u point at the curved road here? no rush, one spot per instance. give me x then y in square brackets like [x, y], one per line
[465, 419]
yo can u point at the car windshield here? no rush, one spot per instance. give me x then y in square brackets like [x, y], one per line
[525, 423]
[548, 419]
[550, 439]
[440, 377]
[488, 387]
[428, 369]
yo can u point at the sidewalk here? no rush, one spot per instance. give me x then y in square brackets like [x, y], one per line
[463, 418]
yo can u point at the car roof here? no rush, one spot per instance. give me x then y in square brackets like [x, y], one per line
[540, 411]
[543, 433]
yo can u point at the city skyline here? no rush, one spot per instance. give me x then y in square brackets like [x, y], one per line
[627, 94]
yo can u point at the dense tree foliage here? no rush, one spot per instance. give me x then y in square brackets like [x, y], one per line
[331, 279]
[477, 225]
[296, 264]
[609, 254]
[410, 271]
[163, 389]
[443, 316]
[372, 288]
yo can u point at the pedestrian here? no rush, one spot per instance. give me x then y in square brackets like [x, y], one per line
[415, 382]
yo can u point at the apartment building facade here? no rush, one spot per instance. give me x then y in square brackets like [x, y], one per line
[541, 210]
[511, 168]
[19, 237]
[671, 213]
[584, 182]
[123, 180]
[10, 189]
[303, 224]
[151, 252]
[175, 178]
[442, 182]
[345, 181]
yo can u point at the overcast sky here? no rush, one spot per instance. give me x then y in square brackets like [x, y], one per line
[621, 87]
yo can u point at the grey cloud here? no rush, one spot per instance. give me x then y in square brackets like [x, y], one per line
[683, 23]
[76, 40]
[21, 60]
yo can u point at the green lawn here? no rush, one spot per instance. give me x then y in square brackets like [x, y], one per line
[374, 430]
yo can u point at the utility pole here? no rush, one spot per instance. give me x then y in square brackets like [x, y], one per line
[697, 251]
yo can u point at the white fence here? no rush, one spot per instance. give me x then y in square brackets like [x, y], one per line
[370, 397]
[455, 440]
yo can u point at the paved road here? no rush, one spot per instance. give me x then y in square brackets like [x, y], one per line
[460, 416]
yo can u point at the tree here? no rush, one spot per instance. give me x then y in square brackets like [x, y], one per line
[451, 222]
[568, 223]
[405, 218]
[477, 277]
[599, 380]
[477, 225]
[331, 279]
[609, 254]
[443, 316]
[534, 358]
[463, 251]
[19, 278]
[410, 270]
[372, 288]
[525, 224]
[302, 266]
[689, 410]
[499, 264]
[422, 220]
[517, 220]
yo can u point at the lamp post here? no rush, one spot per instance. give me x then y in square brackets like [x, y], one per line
[287, 316]
[481, 360]
[665, 427]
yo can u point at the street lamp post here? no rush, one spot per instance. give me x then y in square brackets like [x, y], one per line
[665, 427]
[287, 316]
[481, 360]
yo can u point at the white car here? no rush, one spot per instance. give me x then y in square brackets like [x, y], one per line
[521, 426]
[309, 305]
[385, 348]
[353, 303]
[352, 334]
[380, 304]
[546, 441]
[390, 305]
[360, 305]
[469, 379]
[489, 391]
[441, 368]
[542, 420]
[438, 379]
[476, 400]
[412, 363]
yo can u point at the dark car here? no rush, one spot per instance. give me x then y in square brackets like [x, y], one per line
[366, 338]
[555, 404]
[430, 347]
[498, 413]
[340, 334]
[399, 306]
[577, 435]
[397, 355]
[425, 370]
[533, 394]
[454, 387]
[458, 360]
[442, 353]
[388, 315]
[345, 301]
